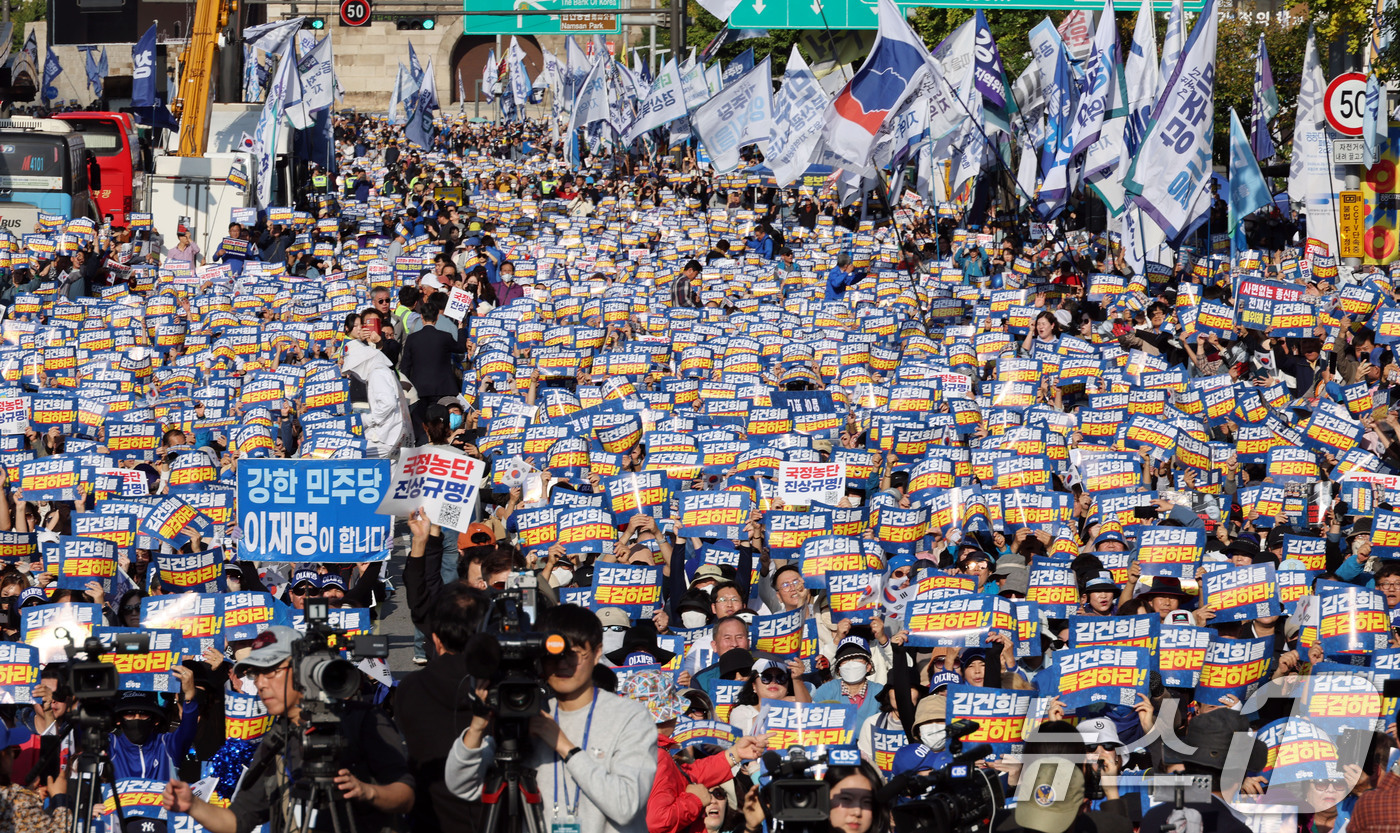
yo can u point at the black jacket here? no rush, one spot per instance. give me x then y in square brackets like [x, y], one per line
[432, 708]
[427, 361]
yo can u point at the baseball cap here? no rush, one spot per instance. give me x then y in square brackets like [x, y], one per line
[942, 680]
[1099, 730]
[1015, 578]
[333, 580]
[614, 617]
[431, 282]
[139, 701]
[305, 575]
[913, 757]
[1103, 580]
[1052, 797]
[271, 648]
[29, 594]
[852, 646]
[476, 529]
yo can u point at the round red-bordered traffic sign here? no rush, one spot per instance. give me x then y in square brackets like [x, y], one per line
[354, 12]
[1344, 104]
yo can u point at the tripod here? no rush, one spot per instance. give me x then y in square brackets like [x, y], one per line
[510, 784]
[92, 768]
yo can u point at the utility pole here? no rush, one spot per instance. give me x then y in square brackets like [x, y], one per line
[677, 28]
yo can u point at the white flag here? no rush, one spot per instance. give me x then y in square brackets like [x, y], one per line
[317, 72]
[740, 114]
[664, 103]
[799, 111]
[294, 103]
[419, 130]
[1173, 168]
[1100, 82]
[1309, 116]
[269, 122]
[1141, 77]
[1171, 44]
[269, 37]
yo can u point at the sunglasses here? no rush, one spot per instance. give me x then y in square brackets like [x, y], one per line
[772, 676]
[306, 591]
[131, 609]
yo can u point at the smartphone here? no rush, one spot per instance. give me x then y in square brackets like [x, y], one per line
[1143, 513]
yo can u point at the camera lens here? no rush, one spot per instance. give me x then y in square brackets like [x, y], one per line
[336, 677]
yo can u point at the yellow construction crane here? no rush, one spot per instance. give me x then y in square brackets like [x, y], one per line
[198, 66]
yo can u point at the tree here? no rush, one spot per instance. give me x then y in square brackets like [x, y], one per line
[1234, 76]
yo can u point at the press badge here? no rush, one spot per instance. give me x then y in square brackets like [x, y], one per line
[564, 823]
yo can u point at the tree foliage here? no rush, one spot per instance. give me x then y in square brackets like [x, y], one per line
[1234, 76]
[22, 12]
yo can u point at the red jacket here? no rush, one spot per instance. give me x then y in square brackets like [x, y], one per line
[670, 809]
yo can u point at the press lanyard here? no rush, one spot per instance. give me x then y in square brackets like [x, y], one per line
[571, 809]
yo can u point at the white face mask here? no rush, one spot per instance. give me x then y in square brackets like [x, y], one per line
[852, 672]
[560, 577]
[692, 619]
[612, 640]
[933, 735]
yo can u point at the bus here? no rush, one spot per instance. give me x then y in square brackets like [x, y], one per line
[112, 139]
[44, 168]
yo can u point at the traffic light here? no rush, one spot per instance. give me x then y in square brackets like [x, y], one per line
[413, 24]
[316, 23]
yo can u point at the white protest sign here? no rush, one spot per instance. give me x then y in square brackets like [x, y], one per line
[801, 483]
[443, 482]
[14, 416]
[459, 303]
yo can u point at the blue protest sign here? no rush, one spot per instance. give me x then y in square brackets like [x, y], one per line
[313, 510]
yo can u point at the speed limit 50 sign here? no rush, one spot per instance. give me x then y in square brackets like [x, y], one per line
[1345, 103]
[354, 12]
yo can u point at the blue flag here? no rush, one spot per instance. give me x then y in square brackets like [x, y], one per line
[1248, 191]
[1265, 105]
[738, 67]
[414, 68]
[143, 72]
[1372, 121]
[52, 69]
[419, 130]
[94, 79]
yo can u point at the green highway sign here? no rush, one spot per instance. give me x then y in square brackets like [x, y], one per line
[860, 14]
[563, 23]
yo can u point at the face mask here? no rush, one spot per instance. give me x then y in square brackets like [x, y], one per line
[454, 420]
[561, 577]
[933, 735]
[852, 672]
[692, 619]
[612, 640]
[138, 731]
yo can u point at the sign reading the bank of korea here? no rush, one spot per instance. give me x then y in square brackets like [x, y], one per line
[314, 510]
[1000, 715]
[147, 670]
[858, 14]
[1110, 674]
[1239, 594]
[636, 588]
[805, 724]
[562, 23]
[19, 672]
[443, 482]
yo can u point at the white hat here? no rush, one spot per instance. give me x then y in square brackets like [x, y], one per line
[1099, 730]
[432, 282]
[1063, 317]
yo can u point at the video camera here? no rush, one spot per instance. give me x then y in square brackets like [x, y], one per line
[93, 682]
[507, 651]
[791, 798]
[953, 795]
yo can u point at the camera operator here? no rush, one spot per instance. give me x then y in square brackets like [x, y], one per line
[432, 708]
[594, 754]
[375, 778]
